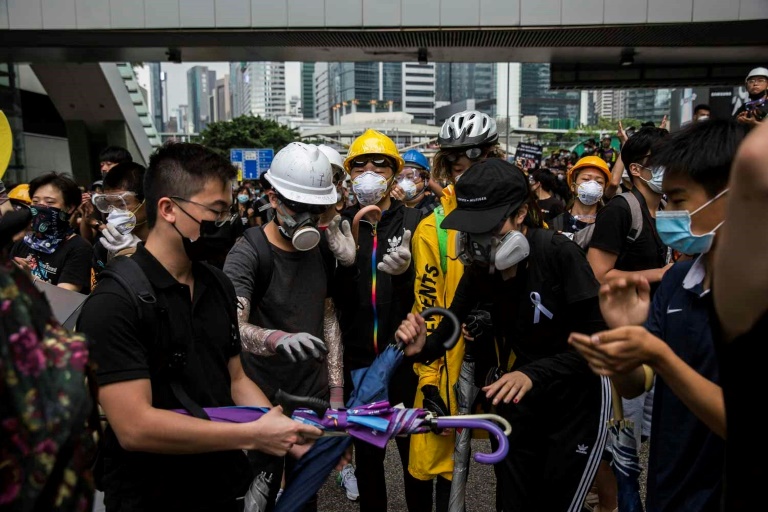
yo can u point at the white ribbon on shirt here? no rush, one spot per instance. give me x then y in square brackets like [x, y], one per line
[540, 308]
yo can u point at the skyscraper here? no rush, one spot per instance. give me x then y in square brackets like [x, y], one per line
[365, 87]
[322, 93]
[221, 100]
[554, 109]
[611, 104]
[457, 82]
[648, 104]
[419, 91]
[260, 89]
[308, 90]
[200, 82]
[157, 92]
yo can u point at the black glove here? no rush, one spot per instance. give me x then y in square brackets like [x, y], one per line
[433, 402]
[478, 323]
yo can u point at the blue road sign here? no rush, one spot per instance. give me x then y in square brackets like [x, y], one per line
[252, 163]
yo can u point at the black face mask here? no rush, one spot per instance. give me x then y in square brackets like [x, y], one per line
[214, 241]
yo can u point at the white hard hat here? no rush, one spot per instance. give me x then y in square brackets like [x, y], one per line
[757, 72]
[332, 155]
[302, 173]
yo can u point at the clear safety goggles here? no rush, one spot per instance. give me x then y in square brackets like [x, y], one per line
[410, 173]
[105, 203]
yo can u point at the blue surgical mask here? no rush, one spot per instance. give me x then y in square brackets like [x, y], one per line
[674, 228]
[242, 198]
[657, 177]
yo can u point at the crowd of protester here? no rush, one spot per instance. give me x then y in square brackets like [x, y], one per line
[627, 280]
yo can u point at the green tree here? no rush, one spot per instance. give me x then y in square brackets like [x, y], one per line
[247, 132]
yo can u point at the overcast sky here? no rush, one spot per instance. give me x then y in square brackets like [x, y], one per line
[177, 80]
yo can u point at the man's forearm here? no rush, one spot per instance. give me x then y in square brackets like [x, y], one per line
[252, 337]
[332, 335]
[246, 392]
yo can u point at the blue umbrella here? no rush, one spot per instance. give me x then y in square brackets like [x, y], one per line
[371, 385]
[622, 444]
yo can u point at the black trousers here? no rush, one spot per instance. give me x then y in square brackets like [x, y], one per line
[555, 448]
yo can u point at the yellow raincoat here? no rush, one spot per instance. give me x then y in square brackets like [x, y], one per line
[437, 278]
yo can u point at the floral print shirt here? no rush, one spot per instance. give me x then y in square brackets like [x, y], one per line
[47, 445]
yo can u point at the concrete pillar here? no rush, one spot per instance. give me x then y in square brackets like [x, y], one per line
[84, 167]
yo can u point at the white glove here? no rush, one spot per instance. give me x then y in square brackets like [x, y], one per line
[299, 345]
[341, 242]
[398, 261]
[115, 242]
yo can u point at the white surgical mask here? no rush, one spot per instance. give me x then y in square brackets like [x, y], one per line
[409, 189]
[370, 188]
[123, 220]
[657, 178]
[589, 192]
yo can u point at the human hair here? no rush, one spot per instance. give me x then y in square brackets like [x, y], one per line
[126, 176]
[546, 178]
[702, 152]
[69, 189]
[648, 124]
[701, 106]
[441, 171]
[264, 182]
[639, 145]
[115, 154]
[182, 169]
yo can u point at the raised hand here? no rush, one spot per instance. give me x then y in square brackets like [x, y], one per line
[398, 261]
[625, 301]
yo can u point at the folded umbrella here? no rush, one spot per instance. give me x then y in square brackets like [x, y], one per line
[622, 445]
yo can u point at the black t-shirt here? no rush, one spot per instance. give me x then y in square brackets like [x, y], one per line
[553, 294]
[551, 207]
[293, 302]
[127, 349]
[612, 226]
[70, 263]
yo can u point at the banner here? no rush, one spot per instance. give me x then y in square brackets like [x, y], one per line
[528, 156]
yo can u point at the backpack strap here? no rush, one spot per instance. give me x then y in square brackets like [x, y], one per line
[128, 274]
[558, 224]
[411, 219]
[258, 240]
[442, 238]
[637, 216]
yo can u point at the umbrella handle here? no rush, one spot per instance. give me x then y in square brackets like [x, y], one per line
[446, 313]
[499, 420]
[290, 403]
[362, 213]
[492, 428]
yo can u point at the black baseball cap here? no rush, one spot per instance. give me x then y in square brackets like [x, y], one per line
[485, 194]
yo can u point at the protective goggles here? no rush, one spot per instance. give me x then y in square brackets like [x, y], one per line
[411, 173]
[376, 160]
[471, 153]
[313, 209]
[105, 203]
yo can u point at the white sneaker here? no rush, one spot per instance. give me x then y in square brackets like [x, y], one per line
[347, 481]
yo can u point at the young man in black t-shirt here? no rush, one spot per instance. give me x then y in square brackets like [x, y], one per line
[155, 458]
[540, 289]
[52, 251]
[611, 253]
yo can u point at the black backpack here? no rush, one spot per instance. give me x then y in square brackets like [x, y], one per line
[153, 312]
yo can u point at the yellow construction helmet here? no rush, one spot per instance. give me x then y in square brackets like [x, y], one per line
[20, 193]
[374, 143]
[594, 162]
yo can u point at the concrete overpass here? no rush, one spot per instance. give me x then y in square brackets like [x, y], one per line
[664, 42]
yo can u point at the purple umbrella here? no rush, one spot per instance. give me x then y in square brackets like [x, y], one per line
[375, 423]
